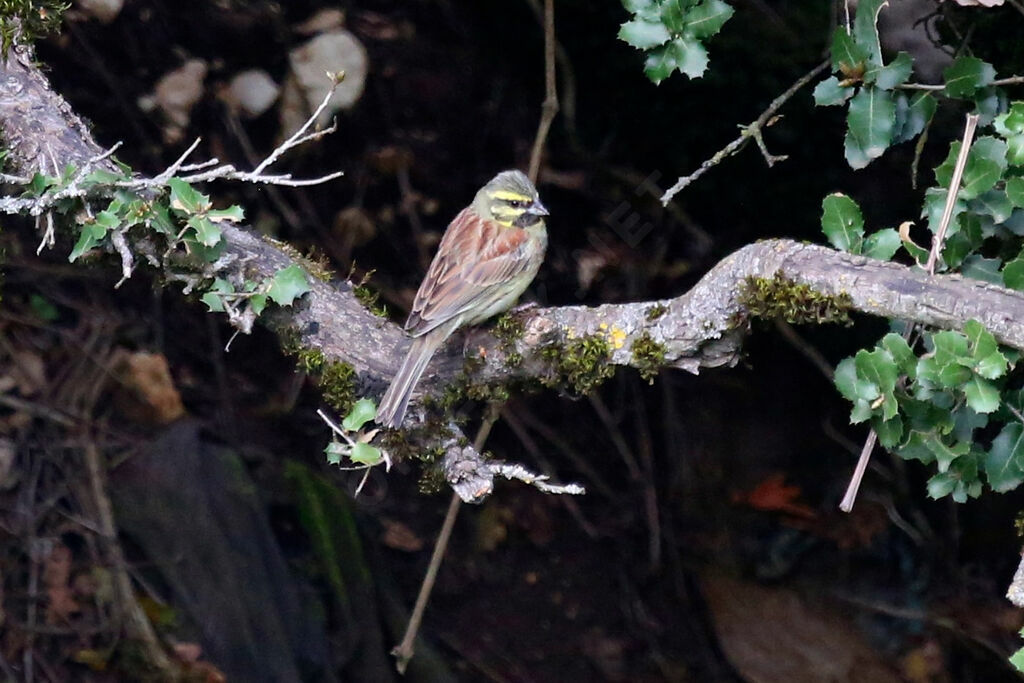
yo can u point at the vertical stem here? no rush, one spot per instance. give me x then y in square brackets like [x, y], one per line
[549, 108]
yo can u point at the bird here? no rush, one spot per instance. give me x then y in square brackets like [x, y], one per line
[488, 256]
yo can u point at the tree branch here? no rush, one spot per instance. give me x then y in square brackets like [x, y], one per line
[702, 328]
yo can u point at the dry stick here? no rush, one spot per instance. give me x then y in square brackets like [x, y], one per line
[136, 625]
[404, 650]
[752, 131]
[549, 108]
[940, 235]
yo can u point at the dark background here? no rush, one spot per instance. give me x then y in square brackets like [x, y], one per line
[673, 567]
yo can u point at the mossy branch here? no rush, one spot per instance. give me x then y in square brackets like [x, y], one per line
[571, 347]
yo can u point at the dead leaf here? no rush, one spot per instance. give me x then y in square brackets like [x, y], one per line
[773, 495]
[29, 372]
[145, 391]
[398, 536]
[60, 604]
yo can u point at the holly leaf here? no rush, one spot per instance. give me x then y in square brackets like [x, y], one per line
[1004, 462]
[362, 412]
[842, 223]
[707, 18]
[287, 285]
[870, 123]
[882, 244]
[644, 35]
[89, 237]
[865, 28]
[966, 75]
[982, 395]
[206, 233]
[186, 199]
[912, 115]
[334, 451]
[892, 75]
[365, 454]
[829, 92]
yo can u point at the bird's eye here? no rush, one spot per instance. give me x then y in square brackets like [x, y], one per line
[516, 203]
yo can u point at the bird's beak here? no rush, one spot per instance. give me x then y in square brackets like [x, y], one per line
[538, 209]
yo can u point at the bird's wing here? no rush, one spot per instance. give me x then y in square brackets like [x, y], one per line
[475, 258]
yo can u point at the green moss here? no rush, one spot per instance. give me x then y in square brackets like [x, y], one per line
[648, 356]
[338, 385]
[25, 21]
[656, 311]
[580, 365]
[366, 296]
[336, 379]
[509, 329]
[432, 481]
[318, 265]
[783, 297]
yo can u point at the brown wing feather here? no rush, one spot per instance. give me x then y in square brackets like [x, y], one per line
[474, 256]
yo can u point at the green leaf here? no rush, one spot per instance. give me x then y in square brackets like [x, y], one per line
[644, 35]
[212, 298]
[966, 75]
[186, 199]
[979, 340]
[159, 218]
[901, 353]
[1004, 463]
[855, 389]
[334, 451]
[870, 123]
[935, 204]
[206, 233]
[883, 244]
[288, 284]
[944, 453]
[101, 177]
[365, 454]
[1015, 191]
[1013, 274]
[233, 214]
[829, 92]
[43, 308]
[90, 236]
[890, 432]
[960, 481]
[690, 56]
[842, 223]
[707, 18]
[258, 302]
[982, 395]
[892, 75]
[362, 412]
[865, 29]
[1011, 126]
[1011, 122]
[984, 269]
[847, 55]
[660, 64]
[879, 368]
[994, 203]
[912, 115]
[39, 183]
[1017, 659]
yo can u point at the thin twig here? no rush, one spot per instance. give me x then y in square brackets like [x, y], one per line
[136, 624]
[1009, 80]
[549, 108]
[754, 131]
[403, 652]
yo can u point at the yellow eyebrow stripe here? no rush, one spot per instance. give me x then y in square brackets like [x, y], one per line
[507, 196]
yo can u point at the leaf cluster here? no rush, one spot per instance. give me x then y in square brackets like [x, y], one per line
[671, 33]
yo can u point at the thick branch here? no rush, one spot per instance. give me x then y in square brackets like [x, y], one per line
[702, 328]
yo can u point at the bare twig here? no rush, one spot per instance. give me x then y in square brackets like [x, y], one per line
[1009, 80]
[549, 108]
[403, 652]
[136, 625]
[752, 131]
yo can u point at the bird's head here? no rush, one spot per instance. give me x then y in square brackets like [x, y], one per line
[510, 199]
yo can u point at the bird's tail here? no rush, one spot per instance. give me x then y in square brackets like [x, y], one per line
[396, 399]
